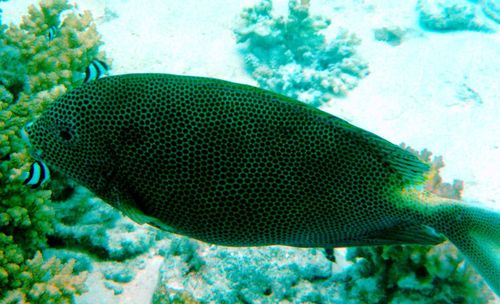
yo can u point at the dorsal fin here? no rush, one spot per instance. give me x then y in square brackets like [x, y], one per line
[410, 168]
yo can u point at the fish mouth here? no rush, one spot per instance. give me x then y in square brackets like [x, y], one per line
[25, 135]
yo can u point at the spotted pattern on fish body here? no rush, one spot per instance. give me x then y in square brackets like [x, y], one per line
[236, 165]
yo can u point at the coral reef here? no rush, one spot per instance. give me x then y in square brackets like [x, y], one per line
[82, 261]
[491, 8]
[455, 15]
[34, 70]
[88, 223]
[393, 35]
[85, 227]
[435, 182]
[46, 281]
[197, 272]
[289, 55]
[411, 273]
[165, 295]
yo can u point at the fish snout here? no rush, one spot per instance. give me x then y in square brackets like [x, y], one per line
[25, 136]
[25, 133]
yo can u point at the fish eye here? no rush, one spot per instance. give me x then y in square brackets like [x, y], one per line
[66, 135]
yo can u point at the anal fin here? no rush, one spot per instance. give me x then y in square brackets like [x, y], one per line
[398, 235]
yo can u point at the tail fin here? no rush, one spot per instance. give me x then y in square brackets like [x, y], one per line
[476, 233]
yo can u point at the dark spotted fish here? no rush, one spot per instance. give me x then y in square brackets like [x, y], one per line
[236, 165]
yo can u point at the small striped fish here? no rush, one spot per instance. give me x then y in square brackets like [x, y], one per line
[96, 69]
[38, 175]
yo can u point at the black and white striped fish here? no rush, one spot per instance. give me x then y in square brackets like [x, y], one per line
[38, 175]
[52, 32]
[96, 69]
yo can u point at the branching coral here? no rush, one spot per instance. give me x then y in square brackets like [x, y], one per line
[289, 54]
[45, 281]
[491, 8]
[41, 59]
[52, 62]
[165, 295]
[34, 70]
[244, 275]
[411, 273]
[89, 223]
[415, 274]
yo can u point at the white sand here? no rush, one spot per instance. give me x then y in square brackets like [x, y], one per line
[138, 291]
[410, 95]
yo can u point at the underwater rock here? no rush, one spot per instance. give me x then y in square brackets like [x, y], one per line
[116, 288]
[120, 273]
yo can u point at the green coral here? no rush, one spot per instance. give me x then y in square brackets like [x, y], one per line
[34, 70]
[291, 56]
[46, 282]
[413, 273]
[165, 295]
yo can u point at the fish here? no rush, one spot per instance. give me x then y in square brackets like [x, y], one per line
[52, 32]
[38, 175]
[235, 165]
[96, 69]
